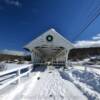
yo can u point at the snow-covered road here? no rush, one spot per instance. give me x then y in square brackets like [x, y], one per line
[50, 86]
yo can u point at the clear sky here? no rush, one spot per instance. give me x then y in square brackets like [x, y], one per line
[23, 20]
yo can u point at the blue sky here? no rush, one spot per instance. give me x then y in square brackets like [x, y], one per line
[23, 20]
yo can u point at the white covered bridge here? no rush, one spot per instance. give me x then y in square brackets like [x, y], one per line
[49, 48]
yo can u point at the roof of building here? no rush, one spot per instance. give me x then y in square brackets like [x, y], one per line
[50, 38]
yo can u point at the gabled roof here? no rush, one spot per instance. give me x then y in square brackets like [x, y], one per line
[58, 41]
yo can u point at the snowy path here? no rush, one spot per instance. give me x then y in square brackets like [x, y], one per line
[51, 86]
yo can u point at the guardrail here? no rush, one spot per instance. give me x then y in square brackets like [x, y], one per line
[18, 74]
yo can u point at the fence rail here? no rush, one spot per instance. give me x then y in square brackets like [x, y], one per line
[18, 74]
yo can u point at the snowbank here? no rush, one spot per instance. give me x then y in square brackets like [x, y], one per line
[87, 82]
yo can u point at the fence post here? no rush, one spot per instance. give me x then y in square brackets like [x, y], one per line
[18, 74]
[29, 69]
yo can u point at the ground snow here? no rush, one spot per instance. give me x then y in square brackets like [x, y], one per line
[70, 84]
[50, 86]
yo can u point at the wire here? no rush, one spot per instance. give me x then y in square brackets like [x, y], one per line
[91, 19]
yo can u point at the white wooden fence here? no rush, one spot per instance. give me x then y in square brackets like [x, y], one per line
[18, 74]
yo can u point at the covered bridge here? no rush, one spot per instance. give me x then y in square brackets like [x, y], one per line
[50, 48]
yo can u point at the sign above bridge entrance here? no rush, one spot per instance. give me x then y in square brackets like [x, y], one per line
[49, 38]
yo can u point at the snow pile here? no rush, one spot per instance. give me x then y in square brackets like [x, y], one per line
[90, 78]
[91, 95]
[87, 82]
